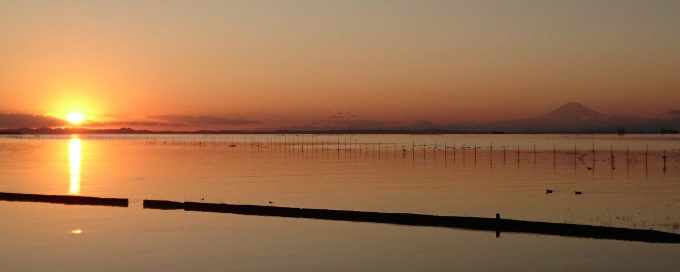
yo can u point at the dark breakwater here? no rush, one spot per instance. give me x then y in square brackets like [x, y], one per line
[65, 199]
[497, 225]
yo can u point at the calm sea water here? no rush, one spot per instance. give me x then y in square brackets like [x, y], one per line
[632, 181]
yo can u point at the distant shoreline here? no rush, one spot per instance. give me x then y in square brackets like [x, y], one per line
[66, 131]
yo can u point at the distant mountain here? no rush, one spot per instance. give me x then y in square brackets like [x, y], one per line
[572, 111]
[573, 118]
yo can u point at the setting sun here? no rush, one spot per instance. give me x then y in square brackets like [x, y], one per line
[75, 118]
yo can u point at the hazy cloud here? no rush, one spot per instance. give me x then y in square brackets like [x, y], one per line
[29, 121]
[347, 121]
[174, 121]
[354, 124]
[674, 112]
[342, 115]
[203, 120]
[134, 124]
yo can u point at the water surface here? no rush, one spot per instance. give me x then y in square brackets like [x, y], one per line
[460, 175]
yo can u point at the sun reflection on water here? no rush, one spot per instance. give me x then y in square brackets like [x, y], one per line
[74, 151]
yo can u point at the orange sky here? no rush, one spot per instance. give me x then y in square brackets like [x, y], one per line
[294, 62]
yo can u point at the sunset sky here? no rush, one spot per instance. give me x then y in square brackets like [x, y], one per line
[245, 64]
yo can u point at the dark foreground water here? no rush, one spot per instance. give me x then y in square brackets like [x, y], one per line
[459, 175]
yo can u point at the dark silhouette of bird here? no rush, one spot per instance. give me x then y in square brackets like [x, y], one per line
[590, 168]
[577, 192]
[548, 191]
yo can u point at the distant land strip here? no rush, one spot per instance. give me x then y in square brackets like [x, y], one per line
[58, 131]
[65, 199]
[497, 224]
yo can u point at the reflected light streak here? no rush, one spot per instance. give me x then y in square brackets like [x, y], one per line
[74, 151]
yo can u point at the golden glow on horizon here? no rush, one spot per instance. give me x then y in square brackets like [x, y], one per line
[76, 231]
[75, 118]
[74, 152]
[463, 68]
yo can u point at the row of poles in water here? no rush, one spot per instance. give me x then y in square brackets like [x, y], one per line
[354, 146]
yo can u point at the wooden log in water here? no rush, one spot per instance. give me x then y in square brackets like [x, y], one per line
[65, 199]
[497, 224]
